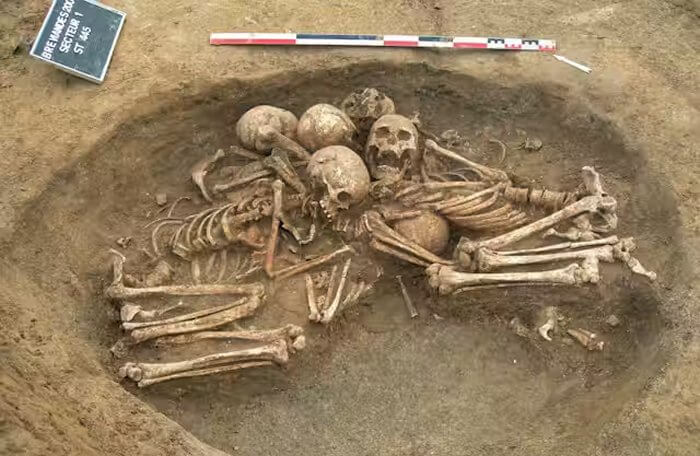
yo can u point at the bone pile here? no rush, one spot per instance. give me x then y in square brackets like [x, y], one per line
[382, 188]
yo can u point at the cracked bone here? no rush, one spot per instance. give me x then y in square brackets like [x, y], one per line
[202, 168]
[587, 338]
[288, 332]
[232, 312]
[330, 310]
[314, 314]
[485, 172]
[144, 373]
[446, 280]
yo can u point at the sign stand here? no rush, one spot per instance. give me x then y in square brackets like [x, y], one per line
[79, 36]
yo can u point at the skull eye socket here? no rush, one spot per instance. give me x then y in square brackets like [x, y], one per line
[405, 135]
[382, 132]
[344, 198]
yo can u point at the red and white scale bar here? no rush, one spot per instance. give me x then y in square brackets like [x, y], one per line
[430, 41]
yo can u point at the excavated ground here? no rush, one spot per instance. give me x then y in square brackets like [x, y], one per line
[457, 380]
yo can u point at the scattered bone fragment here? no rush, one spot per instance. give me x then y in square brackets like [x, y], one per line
[314, 314]
[613, 321]
[202, 168]
[123, 242]
[332, 308]
[161, 198]
[550, 316]
[145, 374]
[519, 328]
[410, 307]
[531, 144]
[622, 250]
[587, 338]
[581, 231]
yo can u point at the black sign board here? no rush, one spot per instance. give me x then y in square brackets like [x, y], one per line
[79, 37]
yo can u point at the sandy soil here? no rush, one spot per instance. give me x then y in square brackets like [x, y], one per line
[70, 147]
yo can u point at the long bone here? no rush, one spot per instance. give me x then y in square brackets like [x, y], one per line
[277, 187]
[562, 246]
[214, 320]
[276, 139]
[310, 264]
[280, 164]
[329, 312]
[487, 260]
[117, 290]
[202, 168]
[276, 352]
[484, 172]
[314, 314]
[446, 280]
[288, 332]
[130, 325]
[586, 204]
[203, 372]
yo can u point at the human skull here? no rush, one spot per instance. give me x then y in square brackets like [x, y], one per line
[365, 106]
[248, 126]
[325, 125]
[392, 145]
[341, 178]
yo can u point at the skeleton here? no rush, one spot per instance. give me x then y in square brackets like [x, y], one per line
[407, 212]
[263, 127]
[324, 125]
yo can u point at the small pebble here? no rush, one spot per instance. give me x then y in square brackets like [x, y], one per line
[613, 321]
[161, 199]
